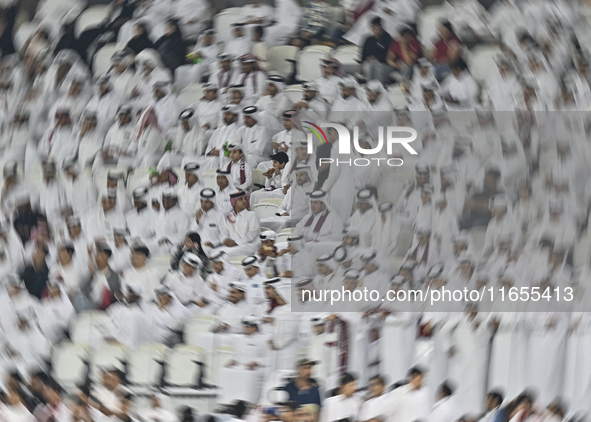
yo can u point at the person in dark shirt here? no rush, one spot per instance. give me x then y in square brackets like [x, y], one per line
[26, 220]
[374, 52]
[303, 389]
[36, 273]
[403, 53]
[476, 211]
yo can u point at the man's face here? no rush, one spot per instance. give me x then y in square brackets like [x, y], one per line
[317, 206]
[222, 181]
[302, 177]
[376, 387]
[240, 204]
[287, 124]
[302, 152]
[249, 329]
[110, 380]
[229, 118]
[75, 89]
[422, 178]
[305, 371]
[64, 257]
[206, 205]
[346, 92]
[218, 266]
[225, 65]
[372, 96]
[211, 94]
[272, 89]
[309, 95]
[108, 204]
[188, 270]
[251, 271]
[349, 388]
[302, 415]
[416, 381]
[376, 31]
[237, 95]
[124, 118]
[139, 204]
[101, 258]
[191, 178]
[63, 119]
[235, 295]
[323, 269]
[249, 121]
[363, 206]
[270, 292]
[169, 202]
[138, 259]
[246, 67]
[235, 155]
[74, 231]
[278, 165]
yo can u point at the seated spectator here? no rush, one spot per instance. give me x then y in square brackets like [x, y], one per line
[313, 23]
[374, 53]
[446, 49]
[171, 46]
[403, 54]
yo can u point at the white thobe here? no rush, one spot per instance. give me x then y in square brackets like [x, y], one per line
[106, 107]
[328, 88]
[142, 224]
[348, 110]
[331, 229]
[148, 277]
[271, 111]
[256, 143]
[341, 407]
[172, 224]
[239, 383]
[118, 140]
[254, 83]
[167, 111]
[408, 405]
[232, 314]
[187, 289]
[189, 197]
[209, 227]
[244, 230]
[81, 194]
[462, 88]
[99, 224]
[445, 410]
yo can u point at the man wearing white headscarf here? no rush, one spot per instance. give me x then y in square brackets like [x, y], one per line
[241, 228]
[311, 107]
[208, 109]
[347, 107]
[224, 188]
[460, 88]
[385, 230]
[131, 322]
[378, 109]
[254, 279]
[235, 308]
[254, 136]
[191, 15]
[242, 377]
[141, 220]
[81, 192]
[251, 76]
[295, 204]
[172, 222]
[273, 103]
[140, 271]
[543, 78]
[165, 104]
[188, 141]
[225, 75]
[151, 71]
[208, 221]
[59, 141]
[321, 223]
[101, 219]
[281, 324]
[118, 140]
[75, 99]
[502, 221]
[56, 81]
[157, 411]
[186, 283]
[365, 216]
[501, 88]
[224, 135]
[169, 316]
[105, 101]
[190, 190]
[122, 74]
[423, 249]
[52, 196]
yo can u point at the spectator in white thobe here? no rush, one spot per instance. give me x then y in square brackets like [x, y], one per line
[241, 228]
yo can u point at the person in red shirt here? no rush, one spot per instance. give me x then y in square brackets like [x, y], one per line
[446, 49]
[403, 53]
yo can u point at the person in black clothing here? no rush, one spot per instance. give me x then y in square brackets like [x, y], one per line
[36, 273]
[192, 244]
[303, 389]
[26, 220]
[140, 40]
[171, 46]
[374, 52]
